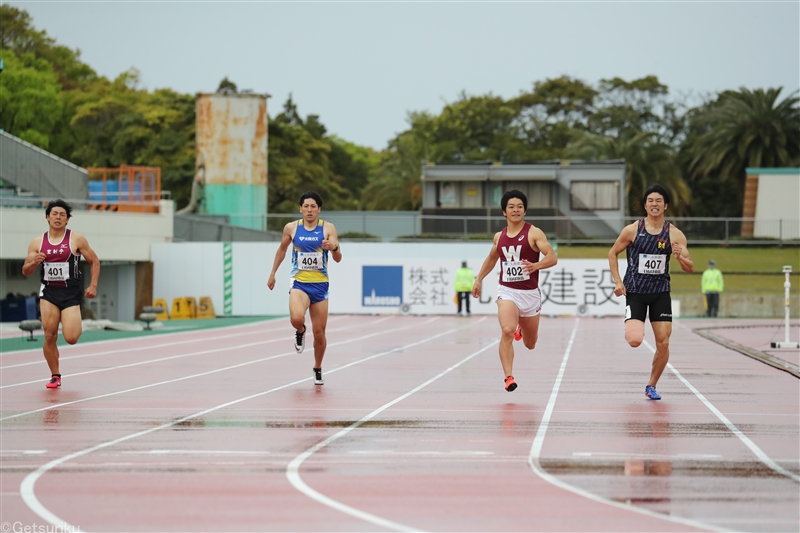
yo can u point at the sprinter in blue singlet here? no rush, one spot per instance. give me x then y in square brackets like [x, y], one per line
[312, 240]
[650, 242]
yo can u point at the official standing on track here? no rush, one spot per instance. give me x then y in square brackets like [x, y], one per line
[311, 239]
[61, 294]
[519, 300]
[650, 241]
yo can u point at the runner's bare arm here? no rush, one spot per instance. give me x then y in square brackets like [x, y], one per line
[331, 242]
[486, 268]
[624, 240]
[34, 257]
[538, 241]
[680, 249]
[83, 248]
[280, 254]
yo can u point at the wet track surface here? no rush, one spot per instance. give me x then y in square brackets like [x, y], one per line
[223, 430]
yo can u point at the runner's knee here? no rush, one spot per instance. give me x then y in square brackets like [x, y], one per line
[529, 343]
[508, 331]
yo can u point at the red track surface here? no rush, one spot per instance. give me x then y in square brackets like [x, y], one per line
[223, 430]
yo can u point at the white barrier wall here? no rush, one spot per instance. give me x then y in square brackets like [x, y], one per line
[373, 278]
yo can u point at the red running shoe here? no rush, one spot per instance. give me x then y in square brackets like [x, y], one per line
[518, 334]
[54, 383]
[510, 384]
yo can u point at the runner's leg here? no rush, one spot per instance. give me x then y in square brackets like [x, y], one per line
[508, 316]
[662, 332]
[319, 321]
[51, 316]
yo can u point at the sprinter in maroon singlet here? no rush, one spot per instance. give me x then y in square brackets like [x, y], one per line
[59, 252]
[519, 300]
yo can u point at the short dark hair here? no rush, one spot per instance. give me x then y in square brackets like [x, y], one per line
[58, 203]
[313, 195]
[513, 193]
[657, 189]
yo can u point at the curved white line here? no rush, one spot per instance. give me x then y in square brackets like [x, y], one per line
[293, 469]
[192, 376]
[758, 452]
[538, 441]
[28, 484]
[160, 359]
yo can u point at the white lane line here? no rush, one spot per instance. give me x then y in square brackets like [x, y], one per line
[293, 469]
[196, 452]
[161, 359]
[538, 441]
[659, 457]
[163, 345]
[758, 452]
[451, 453]
[192, 376]
[28, 484]
[92, 344]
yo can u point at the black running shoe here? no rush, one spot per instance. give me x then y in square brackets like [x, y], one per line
[300, 340]
[318, 377]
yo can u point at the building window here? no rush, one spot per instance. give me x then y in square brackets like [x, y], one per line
[594, 195]
[448, 196]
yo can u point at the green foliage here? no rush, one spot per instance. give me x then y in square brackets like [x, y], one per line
[29, 99]
[299, 161]
[745, 128]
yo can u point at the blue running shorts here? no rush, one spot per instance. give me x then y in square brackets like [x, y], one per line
[316, 292]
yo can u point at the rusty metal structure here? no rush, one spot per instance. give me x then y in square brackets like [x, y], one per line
[232, 156]
[127, 188]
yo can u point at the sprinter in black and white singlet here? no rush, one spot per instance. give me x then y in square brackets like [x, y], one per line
[59, 252]
[519, 301]
[311, 240]
[650, 242]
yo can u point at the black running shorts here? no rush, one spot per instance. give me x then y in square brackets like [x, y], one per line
[61, 297]
[659, 303]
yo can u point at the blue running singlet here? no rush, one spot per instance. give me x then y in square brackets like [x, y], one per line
[309, 258]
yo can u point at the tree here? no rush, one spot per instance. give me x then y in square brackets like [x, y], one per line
[647, 161]
[741, 129]
[29, 103]
[396, 184]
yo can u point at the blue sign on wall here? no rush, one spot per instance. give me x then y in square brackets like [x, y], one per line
[381, 286]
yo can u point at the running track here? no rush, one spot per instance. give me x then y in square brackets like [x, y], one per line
[223, 430]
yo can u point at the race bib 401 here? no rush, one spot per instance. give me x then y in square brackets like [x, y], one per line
[56, 271]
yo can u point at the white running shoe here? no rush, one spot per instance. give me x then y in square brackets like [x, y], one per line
[318, 377]
[300, 340]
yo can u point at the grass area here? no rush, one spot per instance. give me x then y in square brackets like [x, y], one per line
[170, 326]
[766, 262]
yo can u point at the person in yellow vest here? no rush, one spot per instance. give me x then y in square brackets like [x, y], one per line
[711, 285]
[465, 278]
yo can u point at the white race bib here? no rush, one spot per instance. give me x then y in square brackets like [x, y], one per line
[514, 271]
[56, 271]
[652, 264]
[309, 260]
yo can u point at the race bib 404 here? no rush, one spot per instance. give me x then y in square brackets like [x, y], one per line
[56, 271]
[652, 264]
[514, 271]
[309, 260]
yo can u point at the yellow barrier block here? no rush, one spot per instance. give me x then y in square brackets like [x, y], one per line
[162, 303]
[205, 309]
[184, 308]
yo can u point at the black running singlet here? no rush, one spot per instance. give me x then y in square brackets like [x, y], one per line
[648, 261]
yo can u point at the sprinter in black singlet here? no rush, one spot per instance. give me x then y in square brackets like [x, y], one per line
[59, 251]
[649, 242]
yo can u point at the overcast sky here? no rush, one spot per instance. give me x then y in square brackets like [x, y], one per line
[362, 66]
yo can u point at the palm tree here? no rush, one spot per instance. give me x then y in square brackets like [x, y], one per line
[744, 129]
[647, 161]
